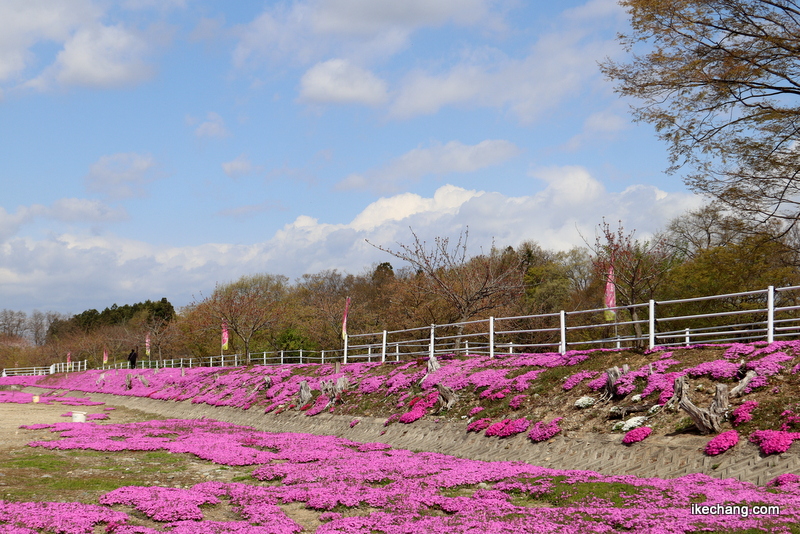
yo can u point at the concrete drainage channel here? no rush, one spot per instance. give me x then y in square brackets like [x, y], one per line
[662, 457]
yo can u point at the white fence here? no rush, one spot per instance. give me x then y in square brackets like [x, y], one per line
[765, 314]
[52, 369]
[753, 315]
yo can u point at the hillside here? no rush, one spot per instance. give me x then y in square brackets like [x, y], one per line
[524, 388]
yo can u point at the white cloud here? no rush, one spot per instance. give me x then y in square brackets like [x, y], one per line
[438, 160]
[71, 272]
[65, 210]
[241, 166]
[91, 51]
[25, 23]
[122, 175]
[214, 126]
[370, 17]
[162, 5]
[339, 81]
[103, 56]
[602, 125]
[312, 29]
[83, 210]
[559, 66]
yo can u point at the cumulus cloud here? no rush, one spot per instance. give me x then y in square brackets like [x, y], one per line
[70, 272]
[25, 23]
[65, 210]
[122, 175]
[340, 82]
[213, 126]
[453, 157]
[100, 56]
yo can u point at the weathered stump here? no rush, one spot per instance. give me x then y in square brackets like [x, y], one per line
[447, 397]
[740, 387]
[709, 420]
[305, 394]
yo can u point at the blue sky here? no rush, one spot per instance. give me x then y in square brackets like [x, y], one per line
[155, 148]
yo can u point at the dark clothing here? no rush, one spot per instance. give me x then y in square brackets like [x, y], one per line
[132, 359]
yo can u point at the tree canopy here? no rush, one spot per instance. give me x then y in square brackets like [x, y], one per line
[719, 80]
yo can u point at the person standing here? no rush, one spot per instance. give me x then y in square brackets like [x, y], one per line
[132, 358]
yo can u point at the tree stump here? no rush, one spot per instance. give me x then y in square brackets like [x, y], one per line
[708, 421]
[612, 375]
[739, 389]
[305, 394]
[447, 397]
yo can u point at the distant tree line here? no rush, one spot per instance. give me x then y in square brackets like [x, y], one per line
[703, 252]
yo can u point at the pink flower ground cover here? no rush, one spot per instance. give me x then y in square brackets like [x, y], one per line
[743, 413]
[722, 442]
[636, 435]
[405, 492]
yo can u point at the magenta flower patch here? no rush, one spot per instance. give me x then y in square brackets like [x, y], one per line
[743, 413]
[636, 435]
[542, 431]
[722, 442]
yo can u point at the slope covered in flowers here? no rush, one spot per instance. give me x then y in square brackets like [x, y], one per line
[531, 390]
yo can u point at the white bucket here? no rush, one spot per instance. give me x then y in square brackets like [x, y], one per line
[78, 417]
[35, 399]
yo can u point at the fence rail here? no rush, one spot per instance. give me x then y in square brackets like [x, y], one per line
[746, 316]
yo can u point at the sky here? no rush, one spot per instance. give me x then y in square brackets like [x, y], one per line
[157, 148]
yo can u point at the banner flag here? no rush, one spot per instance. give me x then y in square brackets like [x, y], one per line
[224, 335]
[611, 296]
[147, 344]
[344, 319]
[105, 356]
[69, 357]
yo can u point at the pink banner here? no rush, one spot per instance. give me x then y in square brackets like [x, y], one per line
[224, 335]
[344, 319]
[610, 295]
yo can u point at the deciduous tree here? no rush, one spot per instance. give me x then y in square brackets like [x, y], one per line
[720, 80]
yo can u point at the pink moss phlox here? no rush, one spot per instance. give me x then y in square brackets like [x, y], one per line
[577, 378]
[717, 369]
[769, 365]
[405, 492]
[480, 424]
[59, 517]
[319, 405]
[508, 427]
[636, 435]
[542, 431]
[420, 408]
[354, 422]
[743, 413]
[161, 504]
[475, 411]
[785, 479]
[722, 442]
[516, 402]
[790, 420]
[773, 441]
